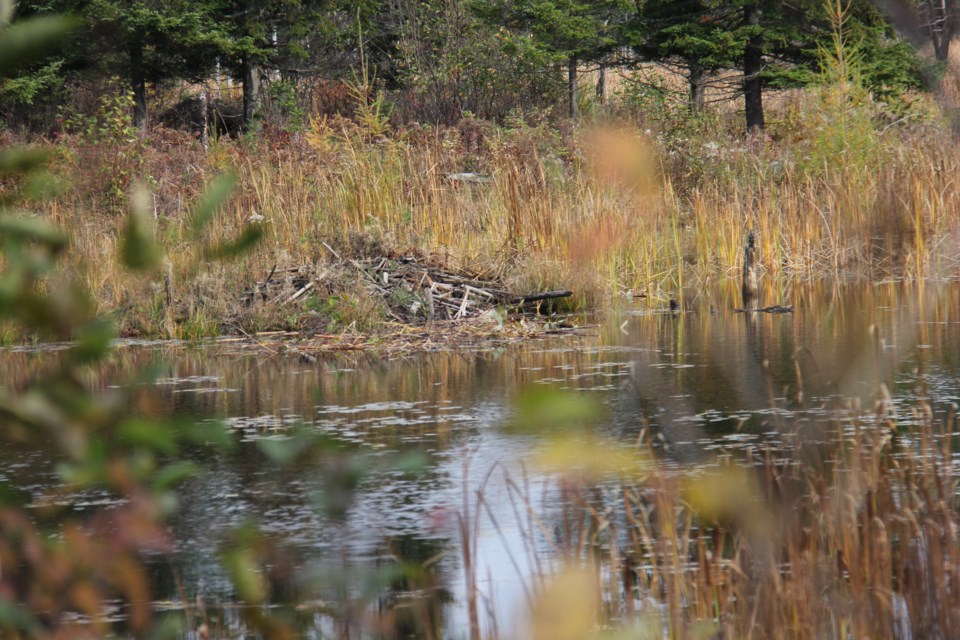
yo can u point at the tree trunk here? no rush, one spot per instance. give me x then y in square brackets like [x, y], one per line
[572, 87]
[602, 84]
[942, 18]
[697, 88]
[251, 91]
[138, 82]
[941, 47]
[752, 65]
[204, 119]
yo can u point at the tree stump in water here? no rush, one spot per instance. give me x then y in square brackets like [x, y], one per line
[749, 287]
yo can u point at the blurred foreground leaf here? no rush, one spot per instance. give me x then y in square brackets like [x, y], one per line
[594, 458]
[210, 433]
[22, 160]
[247, 239]
[28, 229]
[725, 494]
[13, 496]
[215, 197]
[239, 559]
[29, 40]
[170, 476]
[139, 250]
[12, 616]
[169, 627]
[156, 436]
[545, 410]
[567, 608]
[283, 451]
[92, 342]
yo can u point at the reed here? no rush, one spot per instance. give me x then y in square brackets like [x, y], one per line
[852, 532]
[597, 210]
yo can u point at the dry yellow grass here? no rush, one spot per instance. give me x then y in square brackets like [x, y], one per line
[600, 209]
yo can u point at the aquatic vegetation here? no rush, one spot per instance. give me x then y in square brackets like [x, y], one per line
[849, 532]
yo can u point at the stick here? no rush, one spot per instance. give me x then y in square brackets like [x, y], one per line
[480, 291]
[270, 275]
[299, 293]
[463, 305]
[330, 249]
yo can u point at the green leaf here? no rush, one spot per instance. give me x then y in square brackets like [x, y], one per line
[22, 228]
[6, 13]
[22, 160]
[11, 496]
[139, 250]
[550, 410]
[170, 627]
[216, 195]
[284, 451]
[14, 616]
[92, 342]
[248, 238]
[412, 462]
[29, 40]
[242, 566]
[215, 434]
[172, 475]
[152, 435]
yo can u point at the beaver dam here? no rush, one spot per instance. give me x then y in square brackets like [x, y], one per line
[425, 306]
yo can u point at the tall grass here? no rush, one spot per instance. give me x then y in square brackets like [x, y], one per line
[595, 210]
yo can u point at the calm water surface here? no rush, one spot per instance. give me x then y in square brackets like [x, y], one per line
[705, 382]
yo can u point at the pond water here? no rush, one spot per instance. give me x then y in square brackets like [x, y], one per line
[704, 382]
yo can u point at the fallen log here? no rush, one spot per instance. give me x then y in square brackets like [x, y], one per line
[537, 297]
[774, 309]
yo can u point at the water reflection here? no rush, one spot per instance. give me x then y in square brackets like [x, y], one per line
[703, 380]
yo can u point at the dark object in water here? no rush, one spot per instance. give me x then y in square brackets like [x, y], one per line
[777, 308]
[749, 286]
[674, 305]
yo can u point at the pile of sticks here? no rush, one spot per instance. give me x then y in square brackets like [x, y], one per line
[415, 291]
[282, 286]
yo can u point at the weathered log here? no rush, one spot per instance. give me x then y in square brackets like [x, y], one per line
[537, 297]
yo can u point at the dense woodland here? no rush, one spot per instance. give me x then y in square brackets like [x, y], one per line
[441, 60]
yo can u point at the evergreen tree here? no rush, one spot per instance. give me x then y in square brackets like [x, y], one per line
[283, 33]
[694, 35]
[569, 32]
[774, 43]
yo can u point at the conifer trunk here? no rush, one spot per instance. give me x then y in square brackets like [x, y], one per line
[572, 86]
[752, 65]
[138, 82]
[697, 88]
[251, 91]
[602, 84]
